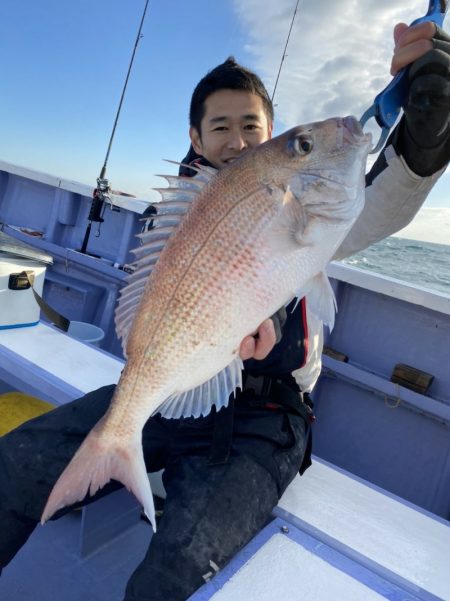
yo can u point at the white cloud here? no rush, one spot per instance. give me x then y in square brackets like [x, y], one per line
[429, 225]
[338, 56]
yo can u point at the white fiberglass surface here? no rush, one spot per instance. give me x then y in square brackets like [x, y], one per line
[62, 356]
[282, 569]
[383, 284]
[394, 535]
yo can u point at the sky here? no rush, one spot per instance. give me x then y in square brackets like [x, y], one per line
[64, 64]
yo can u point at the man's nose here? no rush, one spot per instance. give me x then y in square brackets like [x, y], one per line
[236, 140]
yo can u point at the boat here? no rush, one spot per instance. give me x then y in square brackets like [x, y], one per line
[369, 520]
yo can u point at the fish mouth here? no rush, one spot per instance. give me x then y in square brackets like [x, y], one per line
[353, 132]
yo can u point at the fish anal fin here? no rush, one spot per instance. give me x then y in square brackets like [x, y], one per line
[200, 400]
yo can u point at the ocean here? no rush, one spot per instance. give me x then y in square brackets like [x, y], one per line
[423, 263]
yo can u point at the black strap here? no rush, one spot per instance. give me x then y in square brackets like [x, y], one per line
[222, 435]
[274, 393]
[263, 389]
[56, 318]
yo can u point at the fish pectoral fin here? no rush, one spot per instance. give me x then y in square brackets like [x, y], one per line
[285, 233]
[320, 299]
[198, 401]
[97, 462]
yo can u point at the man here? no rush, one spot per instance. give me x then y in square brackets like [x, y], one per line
[225, 472]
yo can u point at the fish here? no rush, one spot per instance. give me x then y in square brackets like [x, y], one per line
[228, 249]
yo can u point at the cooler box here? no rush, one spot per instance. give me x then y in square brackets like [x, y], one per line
[18, 306]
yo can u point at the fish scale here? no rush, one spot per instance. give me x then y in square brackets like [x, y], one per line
[220, 257]
[249, 239]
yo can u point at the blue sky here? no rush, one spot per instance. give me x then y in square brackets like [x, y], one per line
[63, 68]
[64, 64]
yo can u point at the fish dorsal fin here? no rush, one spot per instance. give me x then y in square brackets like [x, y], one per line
[204, 172]
[199, 401]
[176, 200]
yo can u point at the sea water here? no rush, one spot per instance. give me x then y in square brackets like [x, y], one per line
[423, 263]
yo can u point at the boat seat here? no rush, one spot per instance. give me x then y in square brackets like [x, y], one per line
[47, 363]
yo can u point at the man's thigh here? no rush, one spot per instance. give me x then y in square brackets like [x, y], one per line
[210, 513]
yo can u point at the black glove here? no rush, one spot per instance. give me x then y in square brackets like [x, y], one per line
[423, 135]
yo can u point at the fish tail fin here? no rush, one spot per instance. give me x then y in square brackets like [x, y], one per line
[96, 462]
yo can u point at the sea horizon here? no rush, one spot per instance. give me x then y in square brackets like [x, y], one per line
[418, 262]
[431, 224]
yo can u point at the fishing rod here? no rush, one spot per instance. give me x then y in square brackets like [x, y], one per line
[103, 189]
[285, 48]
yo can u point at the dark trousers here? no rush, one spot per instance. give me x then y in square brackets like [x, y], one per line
[213, 507]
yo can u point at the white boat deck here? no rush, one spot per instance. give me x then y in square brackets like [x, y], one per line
[377, 529]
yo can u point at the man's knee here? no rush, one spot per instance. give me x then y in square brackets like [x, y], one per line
[15, 531]
[33, 456]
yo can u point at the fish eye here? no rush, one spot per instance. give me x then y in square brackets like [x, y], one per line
[302, 144]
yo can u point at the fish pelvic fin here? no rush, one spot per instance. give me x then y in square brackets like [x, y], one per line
[199, 401]
[96, 462]
[320, 299]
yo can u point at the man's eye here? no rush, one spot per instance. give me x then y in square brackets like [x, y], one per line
[220, 128]
[251, 127]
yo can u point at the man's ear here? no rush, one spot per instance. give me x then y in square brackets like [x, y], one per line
[196, 140]
[270, 130]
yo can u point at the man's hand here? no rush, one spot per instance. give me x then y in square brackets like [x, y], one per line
[261, 342]
[423, 135]
[411, 43]
[259, 345]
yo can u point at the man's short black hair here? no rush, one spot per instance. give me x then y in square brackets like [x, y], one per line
[230, 75]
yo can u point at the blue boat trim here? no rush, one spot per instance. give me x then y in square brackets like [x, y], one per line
[19, 325]
[351, 566]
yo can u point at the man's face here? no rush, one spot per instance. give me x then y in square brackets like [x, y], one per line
[234, 121]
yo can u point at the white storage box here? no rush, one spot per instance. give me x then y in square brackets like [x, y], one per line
[18, 307]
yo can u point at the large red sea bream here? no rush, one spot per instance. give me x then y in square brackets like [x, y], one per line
[228, 250]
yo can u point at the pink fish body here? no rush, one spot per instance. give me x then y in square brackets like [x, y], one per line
[228, 250]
